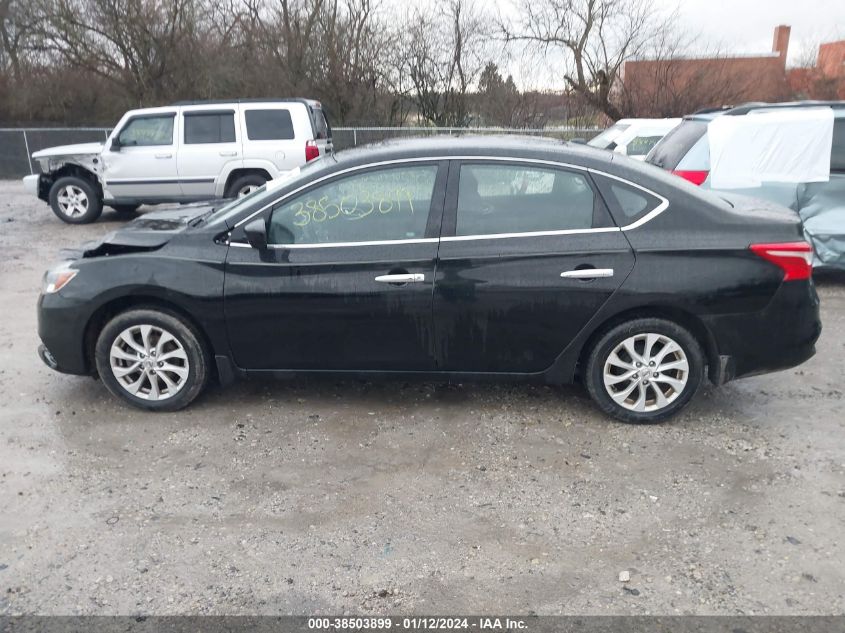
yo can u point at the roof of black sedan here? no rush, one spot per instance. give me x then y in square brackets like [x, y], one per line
[478, 145]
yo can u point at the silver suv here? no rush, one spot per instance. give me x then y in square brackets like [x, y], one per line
[186, 152]
[685, 151]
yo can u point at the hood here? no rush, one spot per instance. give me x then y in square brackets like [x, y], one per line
[69, 150]
[149, 232]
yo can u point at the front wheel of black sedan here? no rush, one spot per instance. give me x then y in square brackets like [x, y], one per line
[152, 359]
[645, 370]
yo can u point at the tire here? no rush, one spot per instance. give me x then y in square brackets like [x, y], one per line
[126, 209]
[637, 400]
[244, 185]
[75, 200]
[183, 352]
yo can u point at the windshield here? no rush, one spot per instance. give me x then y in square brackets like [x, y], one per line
[265, 193]
[606, 138]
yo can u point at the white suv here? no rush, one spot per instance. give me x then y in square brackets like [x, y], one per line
[182, 153]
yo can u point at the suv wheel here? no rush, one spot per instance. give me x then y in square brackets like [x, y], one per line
[245, 185]
[75, 200]
[645, 370]
[152, 359]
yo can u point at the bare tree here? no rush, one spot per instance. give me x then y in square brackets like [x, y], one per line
[443, 57]
[140, 45]
[500, 103]
[18, 25]
[595, 38]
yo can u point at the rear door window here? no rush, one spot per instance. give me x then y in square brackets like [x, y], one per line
[269, 125]
[209, 127]
[677, 143]
[501, 199]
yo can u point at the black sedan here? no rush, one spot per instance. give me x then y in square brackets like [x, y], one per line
[450, 259]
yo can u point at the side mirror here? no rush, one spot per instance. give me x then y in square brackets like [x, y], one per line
[115, 144]
[256, 234]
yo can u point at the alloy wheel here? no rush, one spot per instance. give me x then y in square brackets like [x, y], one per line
[646, 372]
[73, 201]
[246, 190]
[149, 362]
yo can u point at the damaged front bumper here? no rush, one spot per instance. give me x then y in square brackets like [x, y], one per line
[34, 185]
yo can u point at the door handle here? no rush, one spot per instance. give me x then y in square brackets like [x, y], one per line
[405, 278]
[228, 153]
[587, 273]
[164, 155]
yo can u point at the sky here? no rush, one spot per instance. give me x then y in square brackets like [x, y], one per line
[730, 26]
[746, 26]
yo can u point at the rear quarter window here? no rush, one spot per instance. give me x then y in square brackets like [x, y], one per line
[627, 203]
[269, 125]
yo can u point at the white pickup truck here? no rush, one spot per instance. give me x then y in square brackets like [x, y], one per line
[181, 153]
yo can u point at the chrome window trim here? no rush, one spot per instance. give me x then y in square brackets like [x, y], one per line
[422, 240]
[660, 208]
[499, 236]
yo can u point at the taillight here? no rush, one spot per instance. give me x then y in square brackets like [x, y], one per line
[311, 151]
[695, 177]
[794, 258]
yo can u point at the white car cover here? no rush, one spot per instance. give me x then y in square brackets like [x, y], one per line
[770, 146]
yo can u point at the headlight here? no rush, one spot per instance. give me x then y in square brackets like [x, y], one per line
[58, 277]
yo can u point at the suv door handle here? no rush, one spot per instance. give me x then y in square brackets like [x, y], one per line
[164, 155]
[406, 278]
[228, 153]
[587, 273]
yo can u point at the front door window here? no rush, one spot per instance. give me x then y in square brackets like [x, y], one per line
[379, 205]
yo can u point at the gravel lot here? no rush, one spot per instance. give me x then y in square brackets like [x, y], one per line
[330, 497]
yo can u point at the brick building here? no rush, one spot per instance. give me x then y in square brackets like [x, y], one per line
[825, 80]
[678, 85]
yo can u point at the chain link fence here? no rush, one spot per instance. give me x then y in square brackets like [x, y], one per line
[18, 144]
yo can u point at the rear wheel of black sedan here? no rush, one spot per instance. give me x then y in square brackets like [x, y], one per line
[644, 370]
[153, 359]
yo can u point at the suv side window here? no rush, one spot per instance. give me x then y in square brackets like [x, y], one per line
[641, 145]
[513, 198]
[209, 127]
[384, 204]
[837, 156]
[269, 125]
[148, 130]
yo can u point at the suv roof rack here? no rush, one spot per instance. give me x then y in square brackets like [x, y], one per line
[309, 102]
[745, 108]
[714, 109]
